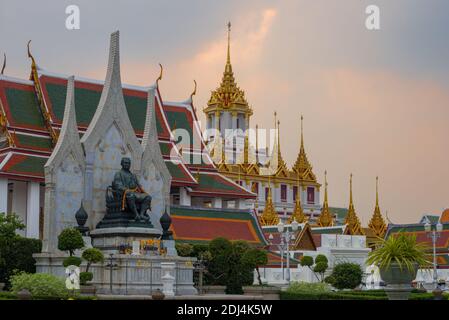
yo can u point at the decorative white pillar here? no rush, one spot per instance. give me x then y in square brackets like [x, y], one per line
[3, 195]
[184, 197]
[33, 198]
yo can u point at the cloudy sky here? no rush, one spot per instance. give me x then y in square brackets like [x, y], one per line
[374, 102]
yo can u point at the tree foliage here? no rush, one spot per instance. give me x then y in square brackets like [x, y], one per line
[16, 252]
[346, 276]
[92, 255]
[70, 240]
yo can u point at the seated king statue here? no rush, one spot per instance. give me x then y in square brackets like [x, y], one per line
[132, 194]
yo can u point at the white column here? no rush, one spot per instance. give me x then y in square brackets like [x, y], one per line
[33, 198]
[19, 203]
[217, 203]
[4, 195]
[184, 197]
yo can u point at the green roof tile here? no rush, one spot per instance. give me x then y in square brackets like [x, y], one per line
[24, 107]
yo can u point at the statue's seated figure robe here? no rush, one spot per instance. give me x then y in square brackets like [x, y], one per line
[132, 193]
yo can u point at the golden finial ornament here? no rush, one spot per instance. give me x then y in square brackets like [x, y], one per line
[4, 63]
[160, 75]
[325, 219]
[377, 222]
[351, 219]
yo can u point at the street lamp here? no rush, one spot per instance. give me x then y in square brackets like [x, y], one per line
[434, 235]
[286, 235]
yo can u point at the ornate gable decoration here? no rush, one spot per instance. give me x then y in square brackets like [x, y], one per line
[64, 176]
[155, 177]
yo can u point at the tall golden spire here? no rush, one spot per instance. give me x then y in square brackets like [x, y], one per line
[352, 220]
[257, 144]
[326, 219]
[298, 214]
[228, 95]
[377, 222]
[302, 166]
[269, 216]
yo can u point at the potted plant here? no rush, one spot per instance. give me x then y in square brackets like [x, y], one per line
[398, 258]
[91, 255]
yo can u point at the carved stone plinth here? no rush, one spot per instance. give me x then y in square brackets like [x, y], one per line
[110, 240]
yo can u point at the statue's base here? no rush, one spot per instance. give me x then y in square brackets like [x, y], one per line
[122, 220]
[131, 274]
[110, 240]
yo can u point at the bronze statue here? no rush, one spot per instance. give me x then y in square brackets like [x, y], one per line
[132, 194]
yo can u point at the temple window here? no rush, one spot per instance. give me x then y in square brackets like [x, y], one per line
[295, 192]
[283, 192]
[310, 195]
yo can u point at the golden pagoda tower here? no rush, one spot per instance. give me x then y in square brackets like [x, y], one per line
[326, 218]
[352, 220]
[302, 166]
[269, 216]
[377, 222]
[298, 214]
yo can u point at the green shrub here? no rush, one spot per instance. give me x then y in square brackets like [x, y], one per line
[71, 261]
[254, 258]
[307, 287]
[41, 285]
[346, 275]
[184, 249]
[16, 252]
[85, 277]
[5, 295]
[321, 258]
[69, 240]
[285, 295]
[92, 255]
[306, 261]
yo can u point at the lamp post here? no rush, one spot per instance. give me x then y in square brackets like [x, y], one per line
[286, 236]
[434, 235]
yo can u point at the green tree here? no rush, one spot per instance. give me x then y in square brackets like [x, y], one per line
[16, 252]
[318, 267]
[227, 266]
[346, 275]
[184, 249]
[321, 265]
[92, 255]
[69, 240]
[254, 258]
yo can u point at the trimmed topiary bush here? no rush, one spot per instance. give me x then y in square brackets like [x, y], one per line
[70, 240]
[346, 275]
[85, 277]
[306, 261]
[41, 285]
[92, 255]
[71, 261]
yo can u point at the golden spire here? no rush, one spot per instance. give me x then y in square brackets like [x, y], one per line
[377, 222]
[298, 214]
[269, 216]
[326, 219]
[257, 144]
[302, 166]
[351, 219]
[228, 58]
[228, 95]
